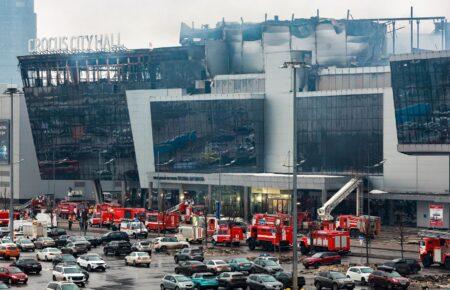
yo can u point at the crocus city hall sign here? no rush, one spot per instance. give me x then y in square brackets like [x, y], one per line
[100, 42]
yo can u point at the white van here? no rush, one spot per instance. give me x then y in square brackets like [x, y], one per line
[191, 234]
[134, 229]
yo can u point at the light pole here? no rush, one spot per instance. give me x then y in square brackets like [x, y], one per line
[368, 230]
[11, 201]
[294, 65]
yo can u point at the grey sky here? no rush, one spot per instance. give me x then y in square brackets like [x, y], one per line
[158, 21]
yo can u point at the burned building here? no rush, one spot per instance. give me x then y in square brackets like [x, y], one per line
[77, 107]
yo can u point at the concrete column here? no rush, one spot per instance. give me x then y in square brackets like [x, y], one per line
[359, 193]
[124, 192]
[246, 202]
[209, 198]
[180, 193]
[324, 195]
[390, 212]
[160, 199]
[150, 195]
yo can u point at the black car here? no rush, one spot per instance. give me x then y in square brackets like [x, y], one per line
[61, 241]
[189, 254]
[80, 240]
[188, 268]
[56, 232]
[286, 279]
[95, 241]
[333, 280]
[117, 248]
[67, 259]
[402, 266]
[74, 248]
[265, 266]
[115, 236]
[28, 266]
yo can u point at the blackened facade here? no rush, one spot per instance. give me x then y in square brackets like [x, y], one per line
[340, 133]
[77, 106]
[208, 135]
[421, 87]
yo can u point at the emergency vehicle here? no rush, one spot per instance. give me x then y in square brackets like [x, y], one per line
[228, 235]
[357, 225]
[325, 240]
[134, 228]
[270, 232]
[161, 222]
[4, 217]
[434, 248]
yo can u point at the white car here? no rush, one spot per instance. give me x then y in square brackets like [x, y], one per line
[47, 254]
[69, 273]
[168, 243]
[62, 286]
[135, 229]
[138, 258]
[218, 266]
[92, 262]
[359, 273]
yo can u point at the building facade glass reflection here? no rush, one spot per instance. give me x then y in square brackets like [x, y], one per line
[340, 133]
[421, 90]
[208, 135]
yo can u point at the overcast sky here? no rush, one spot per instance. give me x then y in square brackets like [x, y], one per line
[141, 22]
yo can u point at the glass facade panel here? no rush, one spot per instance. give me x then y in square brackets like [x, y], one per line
[208, 136]
[340, 133]
[422, 100]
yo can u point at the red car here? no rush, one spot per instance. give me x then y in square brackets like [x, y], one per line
[13, 275]
[388, 280]
[322, 258]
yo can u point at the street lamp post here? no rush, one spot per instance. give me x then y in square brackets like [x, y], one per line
[294, 65]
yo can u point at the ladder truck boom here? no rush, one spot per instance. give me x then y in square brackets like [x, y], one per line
[324, 212]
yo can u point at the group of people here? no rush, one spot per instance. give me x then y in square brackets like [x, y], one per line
[82, 216]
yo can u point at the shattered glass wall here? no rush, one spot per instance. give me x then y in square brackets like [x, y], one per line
[208, 136]
[421, 90]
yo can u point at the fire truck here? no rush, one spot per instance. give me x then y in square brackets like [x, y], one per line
[4, 217]
[434, 248]
[103, 215]
[66, 208]
[121, 213]
[228, 235]
[325, 240]
[158, 221]
[357, 225]
[270, 232]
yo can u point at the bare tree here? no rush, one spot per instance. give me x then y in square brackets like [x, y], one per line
[401, 220]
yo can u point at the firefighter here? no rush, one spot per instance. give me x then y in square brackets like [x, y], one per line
[71, 218]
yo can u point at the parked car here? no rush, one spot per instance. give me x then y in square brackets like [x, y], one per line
[80, 240]
[231, 280]
[55, 232]
[85, 273]
[286, 279]
[402, 266]
[217, 266]
[8, 251]
[114, 236]
[188, 254]
[28, 265]
[265, 266]
[138, 258]
[69, 273]
[61, 286]
[163, 244]
[190, 267]
[240, 264]
[25, 245]
[66, 259]
[94, 241]
[388, 280]
[333, 280]
[3, 286]
[205, 281]
[359, 273]
[75, 248]
[176, 282]
[117, 248]
[263, 281]
[13, 275]
[269, 257]
[142, 246]
[321, 258]
[47, 254]
[44, 242]
[92, 262]
[61, 241]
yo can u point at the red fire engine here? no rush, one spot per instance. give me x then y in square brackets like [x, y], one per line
[129, 213]
[158, 221]
[103, 215]
[325, 240]
[359, 224]
[270, 232]
[66, 208]
[4, 217]
[228, 235]
[434, 248]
